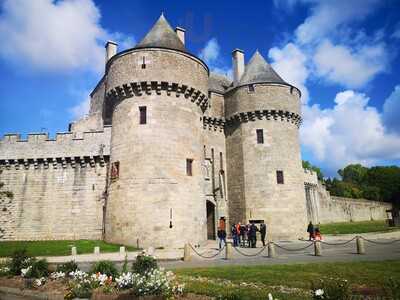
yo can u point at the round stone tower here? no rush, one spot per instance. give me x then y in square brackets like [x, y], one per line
[156, 92]
[263, 149]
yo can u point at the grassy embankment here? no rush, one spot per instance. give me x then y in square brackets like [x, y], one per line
[57, 248]
[283, 281]
[356, 227]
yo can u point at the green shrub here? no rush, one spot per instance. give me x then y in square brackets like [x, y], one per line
[331, 289]
[105, 267]
[67, 267]
[144, 263]
[5, 268]
[19, 260]
[392, 288]
[36, 268]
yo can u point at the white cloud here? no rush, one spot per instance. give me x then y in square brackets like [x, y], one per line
[50, 35]
[211, 54]
[290, 63]
[327, 16]
[396, 33]
[391, 111]
[350, 67]
[350, 132]
[81, 109]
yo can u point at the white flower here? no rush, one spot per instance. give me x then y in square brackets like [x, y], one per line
[40, 281]
[25, 271]
[319, 292]
[57, 275]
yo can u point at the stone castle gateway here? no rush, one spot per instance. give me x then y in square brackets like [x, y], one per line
[167, 149]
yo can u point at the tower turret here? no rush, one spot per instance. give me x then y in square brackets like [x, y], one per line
[263, 151]
[155, 193]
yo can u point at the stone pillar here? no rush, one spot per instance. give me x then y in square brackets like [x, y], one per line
[97, 250]
[186, 253]
[238, 65]
[180, 32]
[122, 250]
[360, 245]
[317, 248]
[271, 250]
[228, 251]
[111, 50]
[73, 251]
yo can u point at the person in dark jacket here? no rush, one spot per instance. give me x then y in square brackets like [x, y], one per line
[253, 235]
[310, 230]
[234, 235]
[263, 232]
[222, 237]
[243, 235]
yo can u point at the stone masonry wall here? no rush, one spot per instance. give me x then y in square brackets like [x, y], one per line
[53, 203]
[58, 185]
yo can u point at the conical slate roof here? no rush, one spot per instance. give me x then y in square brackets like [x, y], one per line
[162, 35]
[218, 83]
[258, 70]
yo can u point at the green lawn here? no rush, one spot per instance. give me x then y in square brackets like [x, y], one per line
[57, 248]
[295, 279]
[355, 227]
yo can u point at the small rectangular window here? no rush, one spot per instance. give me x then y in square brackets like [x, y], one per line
[144, 63]
[115, 170]
[279, 177]
[143, 115]
[260, 136]
[251, 88]
[189, 165]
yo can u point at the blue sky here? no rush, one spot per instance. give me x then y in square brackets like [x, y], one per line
[343, 55]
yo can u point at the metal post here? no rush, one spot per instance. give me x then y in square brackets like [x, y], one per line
[360, 245]
[317, 248]
[271, 250]
[186, 252]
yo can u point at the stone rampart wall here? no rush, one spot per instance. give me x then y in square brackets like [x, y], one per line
[52, 202]
[340, 209]
[66, 144]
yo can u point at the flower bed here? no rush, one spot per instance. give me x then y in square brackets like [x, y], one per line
[145, 280]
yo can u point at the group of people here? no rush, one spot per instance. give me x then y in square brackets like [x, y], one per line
[243, 235]
[314, 232]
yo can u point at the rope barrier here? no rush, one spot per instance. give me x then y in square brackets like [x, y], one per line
[250, 255]
[379, 243]
[339, 244]
[207, 257]
[296, 249]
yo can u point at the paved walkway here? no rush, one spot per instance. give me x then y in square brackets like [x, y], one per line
[172, 258]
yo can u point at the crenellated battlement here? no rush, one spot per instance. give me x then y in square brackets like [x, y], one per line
[212, 123]
[310, 178]
[136, 89]
[54, 162]
[267, 115]
[65, 144]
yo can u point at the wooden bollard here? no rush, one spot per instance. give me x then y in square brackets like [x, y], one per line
[271, 250]
[186, 252]
[97, 250]
[360, 245]
[73, 251]
[317, 248]
[228, 251]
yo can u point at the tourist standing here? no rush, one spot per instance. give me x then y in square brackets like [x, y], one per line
[222, 237]
[234, 235]
[263, 232]
[253, 235]
[310, 230]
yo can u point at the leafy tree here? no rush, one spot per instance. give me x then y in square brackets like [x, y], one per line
[354, 174]
[309, 166]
